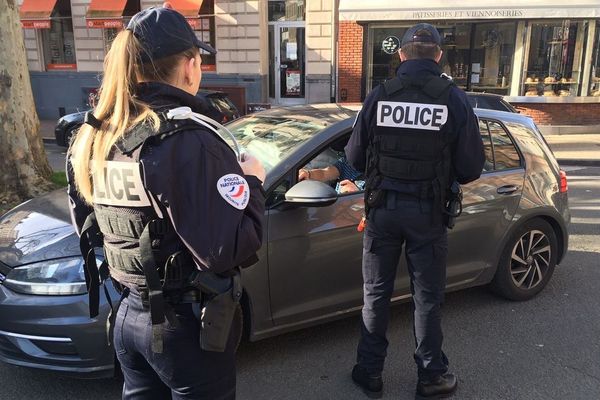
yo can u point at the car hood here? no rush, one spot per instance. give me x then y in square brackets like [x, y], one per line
[39, 229]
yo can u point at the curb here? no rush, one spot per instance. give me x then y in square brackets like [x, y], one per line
[579, 162]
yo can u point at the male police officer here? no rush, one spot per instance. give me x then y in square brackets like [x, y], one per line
[414, 137]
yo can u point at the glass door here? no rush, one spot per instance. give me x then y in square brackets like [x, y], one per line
[287, 63]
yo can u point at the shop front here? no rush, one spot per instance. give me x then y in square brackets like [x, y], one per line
[544, 58]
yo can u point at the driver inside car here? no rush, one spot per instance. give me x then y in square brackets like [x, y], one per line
[348, 179]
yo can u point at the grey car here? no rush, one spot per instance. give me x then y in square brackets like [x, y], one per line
[511, 234]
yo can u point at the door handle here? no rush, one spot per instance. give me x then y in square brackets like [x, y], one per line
[507, 189]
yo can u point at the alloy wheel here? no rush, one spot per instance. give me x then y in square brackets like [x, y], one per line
[530, 259]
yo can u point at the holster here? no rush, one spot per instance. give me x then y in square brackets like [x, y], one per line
[218, 310]
[453, 205]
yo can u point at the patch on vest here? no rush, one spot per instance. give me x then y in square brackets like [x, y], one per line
[393, 114]
[235, 190]
[121, 185]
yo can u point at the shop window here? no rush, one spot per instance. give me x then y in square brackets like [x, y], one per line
[286, 10]
[594, 89]
[492, 57]
[205, 31]
[58, 42]
[553, 65]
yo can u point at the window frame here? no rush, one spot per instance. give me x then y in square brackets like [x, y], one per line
[513, 141]
[292, 174]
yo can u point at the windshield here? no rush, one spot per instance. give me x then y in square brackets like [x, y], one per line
[272, 139]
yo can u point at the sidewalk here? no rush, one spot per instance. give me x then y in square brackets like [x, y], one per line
[569, 148]
[576, 149]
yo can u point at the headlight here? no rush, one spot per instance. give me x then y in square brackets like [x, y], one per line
[54, 277]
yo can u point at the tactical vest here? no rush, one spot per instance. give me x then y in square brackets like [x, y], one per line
[410, 135]
[141, 247]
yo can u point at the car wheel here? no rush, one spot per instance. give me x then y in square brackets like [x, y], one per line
[527, 261]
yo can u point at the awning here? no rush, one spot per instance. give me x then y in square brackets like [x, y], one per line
[105, 14]
[189, 9]
[36, 13]
[426, 10]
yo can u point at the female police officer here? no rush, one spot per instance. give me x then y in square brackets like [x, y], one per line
[173, 206]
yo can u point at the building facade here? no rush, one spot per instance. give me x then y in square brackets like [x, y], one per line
[543, 55]
[269, 51]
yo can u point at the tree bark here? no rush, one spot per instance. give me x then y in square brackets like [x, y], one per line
[24, 167]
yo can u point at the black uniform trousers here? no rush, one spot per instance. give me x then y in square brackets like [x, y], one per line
[183, 370]
[407, 221]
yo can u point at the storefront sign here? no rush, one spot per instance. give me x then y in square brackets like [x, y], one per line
[392, 10]
[105, 23]
[468, 14]
[390, 44]
[61, 67]
[41, 24]
[292, 82]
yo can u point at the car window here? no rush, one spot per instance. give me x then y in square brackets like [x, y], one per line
[330, 166]
[273, 138]
[278, 194]
[487, 146]
[506, 155]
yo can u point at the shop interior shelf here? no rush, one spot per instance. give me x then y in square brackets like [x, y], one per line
[551, 83]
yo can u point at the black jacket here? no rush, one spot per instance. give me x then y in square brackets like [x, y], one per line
[182, 172]
[467, 148]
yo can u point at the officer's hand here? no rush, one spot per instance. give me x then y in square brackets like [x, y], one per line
[252, 166]
[347, 186]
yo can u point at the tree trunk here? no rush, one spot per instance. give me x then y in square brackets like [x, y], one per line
[24, 168]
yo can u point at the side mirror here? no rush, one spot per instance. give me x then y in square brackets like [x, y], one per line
[310, 193]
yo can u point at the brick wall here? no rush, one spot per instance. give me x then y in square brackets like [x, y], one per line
[238, 37]
[89, 43]
[561, 113]
[350, 51]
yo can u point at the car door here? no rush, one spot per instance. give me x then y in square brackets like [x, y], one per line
[315, 256]
[489, 205]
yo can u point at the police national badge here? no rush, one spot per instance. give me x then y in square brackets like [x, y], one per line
[234, 189]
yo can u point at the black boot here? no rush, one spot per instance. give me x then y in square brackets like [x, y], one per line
[438, 388]
[370, 383]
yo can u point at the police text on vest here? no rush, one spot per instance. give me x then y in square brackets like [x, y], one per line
[411, 115]
[120, 184]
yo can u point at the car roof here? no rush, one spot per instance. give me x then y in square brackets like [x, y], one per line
[481, 94]
[332, 112]
[503, 116]
[325, 112]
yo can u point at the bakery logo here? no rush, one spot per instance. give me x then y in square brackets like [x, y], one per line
[234, 189]
[390, 44]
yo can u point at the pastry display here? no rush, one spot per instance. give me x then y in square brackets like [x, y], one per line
[564, 93]
[536, 80]
[549, 93]
[564, 80]
[531, 92]
[529, 80]
[549, 79]
[596, 93]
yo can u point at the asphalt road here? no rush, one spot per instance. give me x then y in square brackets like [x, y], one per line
[546, 348]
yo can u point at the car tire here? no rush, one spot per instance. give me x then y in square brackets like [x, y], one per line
[527, 261]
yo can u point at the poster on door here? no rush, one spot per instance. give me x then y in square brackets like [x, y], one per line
[292, 82]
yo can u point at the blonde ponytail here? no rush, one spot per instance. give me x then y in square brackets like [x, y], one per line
[117, 107]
